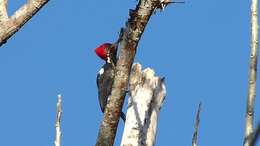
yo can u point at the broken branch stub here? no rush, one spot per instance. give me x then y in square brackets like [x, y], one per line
[147, 93]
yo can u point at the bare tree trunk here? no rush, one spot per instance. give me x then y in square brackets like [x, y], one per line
[147, 93]
[58, 121]
[10, 25]
[127, 45]
[252, 74]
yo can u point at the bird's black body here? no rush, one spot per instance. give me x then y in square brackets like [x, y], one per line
[105, 79]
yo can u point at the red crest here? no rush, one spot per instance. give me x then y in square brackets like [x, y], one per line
[101, 51]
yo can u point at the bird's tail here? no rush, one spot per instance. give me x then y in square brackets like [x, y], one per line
[123, 116]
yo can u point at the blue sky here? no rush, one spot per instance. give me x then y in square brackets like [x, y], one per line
[200, 47]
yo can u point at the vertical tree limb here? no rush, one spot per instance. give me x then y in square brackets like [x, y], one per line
[147, 93]
[196, 127]
[58, 121]
[127, 46]
[252, 74]
[11, 25]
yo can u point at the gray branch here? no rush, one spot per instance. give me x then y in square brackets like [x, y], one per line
[252, 74]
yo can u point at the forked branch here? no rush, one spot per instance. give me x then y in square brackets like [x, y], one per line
[10, 25]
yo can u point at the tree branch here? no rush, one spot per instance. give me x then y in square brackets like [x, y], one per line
[127, 46]
[147, 93]
[20, 17]
[58, 121]
[252, 74]
[196, 127]
[3, 11]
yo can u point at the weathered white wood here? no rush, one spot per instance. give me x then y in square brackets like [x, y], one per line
[147, 93]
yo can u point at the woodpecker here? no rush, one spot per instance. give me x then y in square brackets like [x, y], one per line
[106, 74]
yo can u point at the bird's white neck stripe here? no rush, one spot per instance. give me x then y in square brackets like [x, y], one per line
[101, 71]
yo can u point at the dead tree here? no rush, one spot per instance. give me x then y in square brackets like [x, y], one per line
[9, 25]
[146, 96]
[128, 42]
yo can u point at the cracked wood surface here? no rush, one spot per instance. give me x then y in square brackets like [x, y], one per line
[147, 93]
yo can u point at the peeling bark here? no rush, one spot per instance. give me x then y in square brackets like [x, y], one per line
[147, 93]
[10, 25]
[127, 45]
[252, 74]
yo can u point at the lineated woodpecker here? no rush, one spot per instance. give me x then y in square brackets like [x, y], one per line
[105, 77]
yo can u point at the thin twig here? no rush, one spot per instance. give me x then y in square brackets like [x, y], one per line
[58, 122]
[196, 127]
[252, 74]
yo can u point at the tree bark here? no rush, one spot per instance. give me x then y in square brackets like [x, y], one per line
[252, 74]
[147, 93]
[10, 25]
[127, 45]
